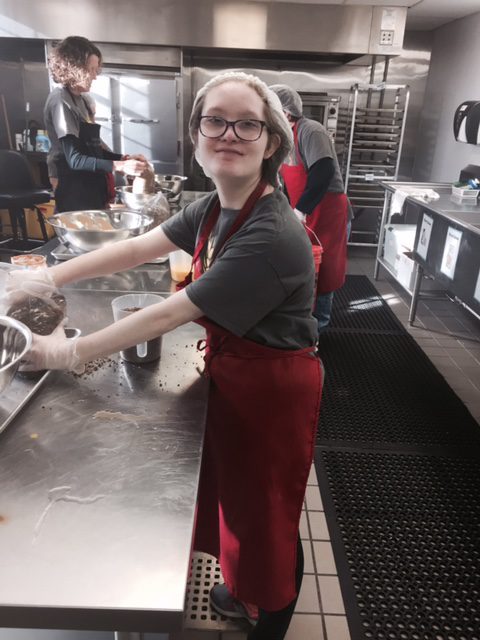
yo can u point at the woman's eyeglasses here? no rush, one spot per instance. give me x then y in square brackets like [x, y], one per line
[247, 130]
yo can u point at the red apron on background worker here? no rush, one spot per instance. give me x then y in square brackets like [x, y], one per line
[315, 188]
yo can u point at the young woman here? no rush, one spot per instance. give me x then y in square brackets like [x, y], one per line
[251, 287]
[79, 164]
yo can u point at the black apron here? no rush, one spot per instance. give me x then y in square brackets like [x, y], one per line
[82, 189]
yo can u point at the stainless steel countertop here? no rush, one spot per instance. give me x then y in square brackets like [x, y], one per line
[98, 482]
[447, 206]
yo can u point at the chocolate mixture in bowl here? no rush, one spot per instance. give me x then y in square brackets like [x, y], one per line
[41, 315]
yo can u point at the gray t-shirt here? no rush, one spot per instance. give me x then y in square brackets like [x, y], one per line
[63, 113]
[261, 283]
[314, 143]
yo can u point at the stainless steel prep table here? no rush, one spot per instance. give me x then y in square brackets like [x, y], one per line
[446, 213]
[98, 482]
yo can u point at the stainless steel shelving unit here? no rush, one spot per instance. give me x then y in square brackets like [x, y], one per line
[374, 124]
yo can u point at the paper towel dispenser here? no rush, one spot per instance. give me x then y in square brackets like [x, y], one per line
[466, 122]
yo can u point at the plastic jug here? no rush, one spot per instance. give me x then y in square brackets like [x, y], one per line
[42, 142]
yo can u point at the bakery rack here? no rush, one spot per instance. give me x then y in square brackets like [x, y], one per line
[374, 128]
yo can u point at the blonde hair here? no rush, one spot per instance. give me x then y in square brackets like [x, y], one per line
[277, 123]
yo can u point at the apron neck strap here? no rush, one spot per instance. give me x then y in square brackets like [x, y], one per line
[213, 217]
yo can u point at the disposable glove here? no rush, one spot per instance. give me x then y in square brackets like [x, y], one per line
[55, 351]
[20, 283]
[301, 216]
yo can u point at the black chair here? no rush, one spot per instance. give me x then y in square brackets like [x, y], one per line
[18, 192]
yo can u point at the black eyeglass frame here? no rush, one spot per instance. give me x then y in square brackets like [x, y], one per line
[232, 123]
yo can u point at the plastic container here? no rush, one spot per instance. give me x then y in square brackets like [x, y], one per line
[29, 261]
[180, 264]
[465, 193]
[317, 251]
[42, 142]
[125, 305]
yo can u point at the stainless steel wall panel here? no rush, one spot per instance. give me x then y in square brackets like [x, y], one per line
[142, 56]
[412, 68]
[211, 23]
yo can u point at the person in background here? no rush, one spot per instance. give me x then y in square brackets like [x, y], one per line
[315, 188]
[251, 287]
[80, 164]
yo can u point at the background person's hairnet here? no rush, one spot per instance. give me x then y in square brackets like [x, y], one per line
[291, 101]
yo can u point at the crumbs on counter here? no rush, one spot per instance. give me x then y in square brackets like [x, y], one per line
[34, 436]
[96, 365]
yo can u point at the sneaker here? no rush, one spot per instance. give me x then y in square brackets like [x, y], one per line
[224, 603]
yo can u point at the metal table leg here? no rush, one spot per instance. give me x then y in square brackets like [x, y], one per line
[415, 293]
[381, 233]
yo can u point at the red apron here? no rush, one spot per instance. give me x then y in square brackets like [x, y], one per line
[328, 220]
[262, 417]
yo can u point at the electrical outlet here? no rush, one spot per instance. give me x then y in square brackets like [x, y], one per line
[386, 37]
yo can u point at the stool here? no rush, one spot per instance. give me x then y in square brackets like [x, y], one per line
[18, 192]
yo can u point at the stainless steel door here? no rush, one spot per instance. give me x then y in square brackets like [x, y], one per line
[139, 113]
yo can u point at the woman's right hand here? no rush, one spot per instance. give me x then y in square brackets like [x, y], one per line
[20, 283]
[132, 166]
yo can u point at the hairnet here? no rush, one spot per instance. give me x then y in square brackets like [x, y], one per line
[291, 101]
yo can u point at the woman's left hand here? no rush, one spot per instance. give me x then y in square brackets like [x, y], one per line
[55, 351]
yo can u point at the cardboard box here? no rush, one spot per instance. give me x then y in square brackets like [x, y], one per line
[406, 270]
[399, 238]
[33, 227]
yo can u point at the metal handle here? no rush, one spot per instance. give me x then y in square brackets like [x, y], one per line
[142, 121]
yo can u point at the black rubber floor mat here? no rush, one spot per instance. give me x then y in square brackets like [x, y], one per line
[358, 306]
[405, 531]
[382, 389]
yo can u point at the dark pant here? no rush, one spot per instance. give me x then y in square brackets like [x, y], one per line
[273, 625]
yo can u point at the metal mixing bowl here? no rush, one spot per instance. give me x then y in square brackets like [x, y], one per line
[170, 182]
[136, 201]
[89, 230]
[15, 341]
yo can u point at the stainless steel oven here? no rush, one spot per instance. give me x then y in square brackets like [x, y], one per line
[322, 107]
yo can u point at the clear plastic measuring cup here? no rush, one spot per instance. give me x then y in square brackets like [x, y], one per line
[180, 263]
[130, 303]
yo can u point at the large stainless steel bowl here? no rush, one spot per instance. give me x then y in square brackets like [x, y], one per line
[89, 230]
[136, 201]
[172, 183]
[15, 341]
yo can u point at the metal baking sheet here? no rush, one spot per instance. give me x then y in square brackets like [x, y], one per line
[63, 252]
[16, 396]
[23, 387]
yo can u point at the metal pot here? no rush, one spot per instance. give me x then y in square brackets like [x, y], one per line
[171, 183]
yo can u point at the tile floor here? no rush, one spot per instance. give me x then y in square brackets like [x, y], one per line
[450, 336]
